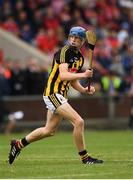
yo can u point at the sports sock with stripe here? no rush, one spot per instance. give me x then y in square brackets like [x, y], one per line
[22, 143]
[84, 155]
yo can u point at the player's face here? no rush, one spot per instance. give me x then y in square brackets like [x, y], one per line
[76, 41]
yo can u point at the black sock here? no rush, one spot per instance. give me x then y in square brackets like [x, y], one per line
[84, 155]
[22, 143]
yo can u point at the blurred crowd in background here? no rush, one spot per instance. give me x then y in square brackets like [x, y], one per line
[45, 25]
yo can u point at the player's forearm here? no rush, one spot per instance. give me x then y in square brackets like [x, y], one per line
[71, 76]
[77, 86]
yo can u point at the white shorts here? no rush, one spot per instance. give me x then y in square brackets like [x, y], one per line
[53, 101]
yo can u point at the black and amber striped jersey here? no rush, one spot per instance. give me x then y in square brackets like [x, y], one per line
[74, 59]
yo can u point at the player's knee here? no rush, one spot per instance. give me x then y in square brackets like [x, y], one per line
[52, 132]
[49, 131]
[79, 123]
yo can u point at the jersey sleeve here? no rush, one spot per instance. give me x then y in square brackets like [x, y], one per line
[63, 55]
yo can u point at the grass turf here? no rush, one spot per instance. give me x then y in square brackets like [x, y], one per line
[56, 157]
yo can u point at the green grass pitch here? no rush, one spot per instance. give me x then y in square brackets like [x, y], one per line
[56, 157]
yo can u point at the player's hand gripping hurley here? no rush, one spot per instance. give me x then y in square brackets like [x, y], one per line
[91, 38]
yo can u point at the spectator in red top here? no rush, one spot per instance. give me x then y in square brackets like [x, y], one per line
[40, 38]
[7, 65]
[11, 26]
[112, 40]
[50, 21]
[46, 41]
[108, 13]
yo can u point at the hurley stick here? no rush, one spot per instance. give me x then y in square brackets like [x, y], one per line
[91, 38]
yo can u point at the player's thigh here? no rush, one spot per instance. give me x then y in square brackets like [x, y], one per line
[66, 111]
[53, 120]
